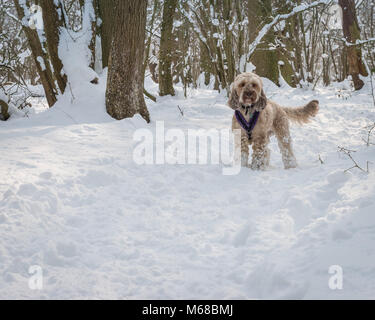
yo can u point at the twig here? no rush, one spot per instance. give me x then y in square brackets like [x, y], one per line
[369, 71]
[181, 111]
[67, 114]
[149, 95]
[348, 153]
[71, 92]
[320, 159]
[370, 128]
[358, 4]
[372, 89]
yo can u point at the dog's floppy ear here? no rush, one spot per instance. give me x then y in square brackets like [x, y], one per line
[262, 102]
[234, 100]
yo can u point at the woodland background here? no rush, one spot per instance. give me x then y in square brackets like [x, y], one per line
[193, 42]
[101, 225]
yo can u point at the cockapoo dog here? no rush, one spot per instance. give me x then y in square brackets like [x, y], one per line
[259, 118]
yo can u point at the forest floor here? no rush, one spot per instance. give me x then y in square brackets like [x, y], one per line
[73, 202]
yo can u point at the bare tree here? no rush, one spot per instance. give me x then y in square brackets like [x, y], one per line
[352, 34]
[40, 57]
[4, 115]
[194, 42]
[107, 15]
[91, 8]
[264, 58]
[124, 96]
[166, 49]
[53, 19]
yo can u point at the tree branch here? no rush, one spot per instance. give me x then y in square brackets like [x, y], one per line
[281, 17]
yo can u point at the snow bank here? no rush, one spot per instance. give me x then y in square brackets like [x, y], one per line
[73, 202]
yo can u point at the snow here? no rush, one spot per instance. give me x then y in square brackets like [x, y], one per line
[41, 63]
[73, 202]
[215, 22]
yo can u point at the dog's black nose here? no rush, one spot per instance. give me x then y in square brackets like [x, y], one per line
[248, 94]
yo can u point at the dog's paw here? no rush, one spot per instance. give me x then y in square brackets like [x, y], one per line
[258, 167]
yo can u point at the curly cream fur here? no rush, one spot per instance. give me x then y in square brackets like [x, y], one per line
[247, 90]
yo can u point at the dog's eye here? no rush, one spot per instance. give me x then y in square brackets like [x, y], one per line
[242, 85]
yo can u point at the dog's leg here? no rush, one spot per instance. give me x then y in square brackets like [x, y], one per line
[285, 144]
[267, 157]
[241, 145]
[261, 154]
[244, 150]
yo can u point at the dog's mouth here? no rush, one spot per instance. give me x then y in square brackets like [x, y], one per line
[249, 98]
[248, 102]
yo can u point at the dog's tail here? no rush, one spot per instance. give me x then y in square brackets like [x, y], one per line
[303, 114]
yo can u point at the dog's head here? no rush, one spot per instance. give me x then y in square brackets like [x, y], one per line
[247, 91]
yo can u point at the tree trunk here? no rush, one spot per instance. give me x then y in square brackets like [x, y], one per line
[40, 58]
[107, 15]
[53, 19]
[4, 115]
[91, 5]
[352, 34]
[149, 39]
[264, 59]
[228, 41]
[166, 48]
[241, 39]
[124, 96]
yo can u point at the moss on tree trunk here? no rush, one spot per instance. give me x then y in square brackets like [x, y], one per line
[264, 59]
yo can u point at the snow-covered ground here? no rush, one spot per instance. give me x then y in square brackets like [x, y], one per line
[73, 202]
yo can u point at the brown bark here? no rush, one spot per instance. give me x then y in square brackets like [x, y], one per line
[352, 34]
[205, 64]
[124, 96]
[107, 14]
[149, 39]
[264, 59]
[241, 35]
[153, 71]
[40, 58]
[228, 41]
[53, 20]
[166, 48]
[92, 44]
[211, 44]
[4, 115]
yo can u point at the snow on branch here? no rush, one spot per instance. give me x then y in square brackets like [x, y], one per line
[190, 19]
[280, 17]
[358, 4]
[358, 42]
